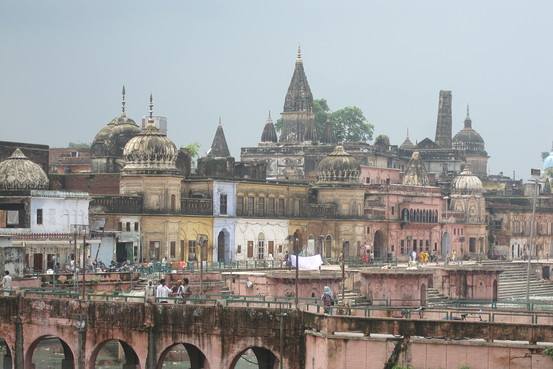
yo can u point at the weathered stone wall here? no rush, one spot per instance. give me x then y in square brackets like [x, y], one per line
[11, 259]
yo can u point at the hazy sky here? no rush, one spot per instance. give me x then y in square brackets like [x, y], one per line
[62, 65]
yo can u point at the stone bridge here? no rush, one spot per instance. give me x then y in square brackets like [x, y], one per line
[217, 336]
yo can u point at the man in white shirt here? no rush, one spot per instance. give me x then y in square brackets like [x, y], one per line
[162, 291]
[6, 283]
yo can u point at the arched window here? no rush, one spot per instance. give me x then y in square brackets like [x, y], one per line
[173, 202]
[405, 215]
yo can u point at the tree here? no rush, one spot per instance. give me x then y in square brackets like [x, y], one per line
[350, 121]
[352, 124]
[194, 150]
[78, 145]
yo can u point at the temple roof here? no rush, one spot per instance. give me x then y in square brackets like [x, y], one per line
[219, 147]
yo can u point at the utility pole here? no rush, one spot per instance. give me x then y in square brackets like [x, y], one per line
[536, 173]
[343, 272]
[297, 269]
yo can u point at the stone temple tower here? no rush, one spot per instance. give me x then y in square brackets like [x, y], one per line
[298, 116]
[443, 126]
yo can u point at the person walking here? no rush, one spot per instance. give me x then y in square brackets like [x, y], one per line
[6, 283]
[162, 291]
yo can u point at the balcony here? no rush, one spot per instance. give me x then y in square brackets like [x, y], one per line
[191, 206]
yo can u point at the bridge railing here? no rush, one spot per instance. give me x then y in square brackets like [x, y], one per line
[7, 293]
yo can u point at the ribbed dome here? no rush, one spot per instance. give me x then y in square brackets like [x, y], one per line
[339, 166]
[548, 162]
[466, 183]
[19, 173]
[111, 139]
[468, 139]
[150, 152]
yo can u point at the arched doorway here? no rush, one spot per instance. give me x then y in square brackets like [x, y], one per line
[221, 246]
[49, 352]
[6, 360]
[328, 247]
[183, 355]
[113, 352]
[256, 357]
[446, 245]
[379, 245]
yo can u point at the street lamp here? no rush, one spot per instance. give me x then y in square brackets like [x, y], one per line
[296, 241]
[536, 173]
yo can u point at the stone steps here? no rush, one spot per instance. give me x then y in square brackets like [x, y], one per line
[512, 283]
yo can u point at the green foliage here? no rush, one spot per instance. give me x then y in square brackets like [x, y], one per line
[194, 150]
[464, 366]
[548, 352]
[78, 145]
[402, 367]
[350, 121]
[544, 155]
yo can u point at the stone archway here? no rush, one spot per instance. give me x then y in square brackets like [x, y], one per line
[328, 247]
[51, 350]
[222, 243]
[185, 355]
[109, 350]
[379, 245]
[263, 358]
[6, 359]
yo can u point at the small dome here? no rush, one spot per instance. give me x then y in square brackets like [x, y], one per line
[150, 151]
[548, 162]
[468, 139]
[111, 139]
[466, 183]
[19, 173]
[269, 133]
[339, 166]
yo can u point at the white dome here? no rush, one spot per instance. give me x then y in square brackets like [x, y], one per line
[467, 183]
[19, 173]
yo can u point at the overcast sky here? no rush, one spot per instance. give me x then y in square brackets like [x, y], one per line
[63, 63]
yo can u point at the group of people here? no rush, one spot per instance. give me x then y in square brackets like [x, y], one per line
[423, 257]
[181, 290]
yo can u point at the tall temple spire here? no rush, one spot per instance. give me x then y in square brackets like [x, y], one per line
[151, 105]
[269, 132]
[443, 126]
[219, 147]
[298, 116]
[123, 102]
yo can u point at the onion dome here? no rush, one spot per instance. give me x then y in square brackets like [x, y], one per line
[468, 139]
[111, 139]
[150, 151]
[269, 133]
[339, 166]
[466, 183]
[19, 173]
[415, 173]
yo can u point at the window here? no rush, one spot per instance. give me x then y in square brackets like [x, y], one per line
[261, 249]
[239, 249]
[173, 203]
[173, 249]
[120, 227]
[192, 250]
[223, 203]
[250, 205]
[154, 249]
[427, 245]
[128, 227]
[402, 247]
[74, 154]
[39, 219]
[261, 206]
[136, 226]
[240, 205]
[250, 249]
[393, 210]
[281, 208]
[272, 247]
[271, 209]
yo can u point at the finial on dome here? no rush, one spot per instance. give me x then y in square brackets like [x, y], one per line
[407, 132]
[299, 53]
[269, 114]
[219, 120]
[151, 119]
[468, 114]
[123, 102]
